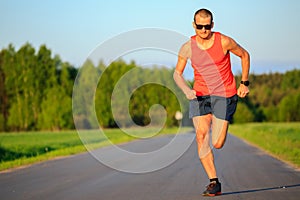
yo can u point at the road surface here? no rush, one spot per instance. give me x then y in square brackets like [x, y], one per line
[245, 173]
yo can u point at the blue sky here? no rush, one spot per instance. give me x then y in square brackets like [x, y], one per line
[268, 29]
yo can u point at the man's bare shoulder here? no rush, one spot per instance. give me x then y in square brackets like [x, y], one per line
[227, 42]
[225, 39]
[185, 50]
[187, 44]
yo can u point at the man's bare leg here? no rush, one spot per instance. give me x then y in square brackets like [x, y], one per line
[219, 132]
[202, 126]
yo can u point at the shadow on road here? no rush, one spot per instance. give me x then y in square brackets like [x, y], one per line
[261, 189]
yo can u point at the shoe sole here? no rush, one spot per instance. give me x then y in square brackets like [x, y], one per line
[212, 195]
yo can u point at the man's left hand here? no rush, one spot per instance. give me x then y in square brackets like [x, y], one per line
[242, 91]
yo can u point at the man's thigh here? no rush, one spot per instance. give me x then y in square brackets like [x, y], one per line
[202, 124]
[219, 131]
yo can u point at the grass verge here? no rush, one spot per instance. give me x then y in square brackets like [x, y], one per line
[24, 148]
[282, 140]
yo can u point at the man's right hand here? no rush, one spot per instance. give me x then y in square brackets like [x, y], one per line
[190, 94]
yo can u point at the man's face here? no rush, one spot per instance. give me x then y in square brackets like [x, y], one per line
[203, 26]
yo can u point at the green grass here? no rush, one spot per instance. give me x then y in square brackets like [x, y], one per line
[23, 148]
[282, 140]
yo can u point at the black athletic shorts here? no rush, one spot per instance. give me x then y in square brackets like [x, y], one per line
[220, 107]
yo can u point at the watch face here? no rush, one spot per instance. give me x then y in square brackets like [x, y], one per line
[246, 83]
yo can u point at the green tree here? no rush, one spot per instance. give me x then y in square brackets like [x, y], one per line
[291, 80]
[106, 85]
[56, 106]
[289, 108]
[84, 95]
[21, 112]
[243, 114]
[56, 110]
[271, 113]
[6, 66]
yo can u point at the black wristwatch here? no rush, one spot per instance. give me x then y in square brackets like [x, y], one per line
[246, 83]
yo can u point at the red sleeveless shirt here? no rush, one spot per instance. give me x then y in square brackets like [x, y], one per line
[212, 69]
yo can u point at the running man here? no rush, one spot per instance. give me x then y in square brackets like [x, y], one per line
[214, 96]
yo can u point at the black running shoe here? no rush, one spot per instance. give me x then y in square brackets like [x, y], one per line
[213, 189]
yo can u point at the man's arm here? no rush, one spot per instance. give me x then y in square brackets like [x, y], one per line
[230, 45]
[179, 80]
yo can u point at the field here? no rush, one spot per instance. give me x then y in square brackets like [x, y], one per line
[23, 148]
[282, 140]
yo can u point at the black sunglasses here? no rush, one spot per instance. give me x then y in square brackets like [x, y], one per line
[206, 27]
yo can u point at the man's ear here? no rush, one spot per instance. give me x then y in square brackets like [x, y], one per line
[194, 25]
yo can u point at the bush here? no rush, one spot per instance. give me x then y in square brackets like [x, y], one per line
[289, 108]
[243, 114]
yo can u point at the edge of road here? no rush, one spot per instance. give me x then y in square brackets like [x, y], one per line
[287, 163]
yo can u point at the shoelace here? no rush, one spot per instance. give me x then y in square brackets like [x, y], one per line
[211, 185]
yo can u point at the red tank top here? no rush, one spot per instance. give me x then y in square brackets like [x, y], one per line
[212, 69]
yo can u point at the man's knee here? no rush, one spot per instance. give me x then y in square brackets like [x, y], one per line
[201, 133]
[218, 145]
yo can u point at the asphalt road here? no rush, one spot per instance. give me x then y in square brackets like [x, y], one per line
[245, 173]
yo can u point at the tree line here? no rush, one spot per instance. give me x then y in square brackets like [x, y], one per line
[273, 97]
[125, 95]
[36, 91]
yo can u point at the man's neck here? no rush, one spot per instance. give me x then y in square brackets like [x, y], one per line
[205, 43]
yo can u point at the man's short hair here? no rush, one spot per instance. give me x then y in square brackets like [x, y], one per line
[203, 13]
